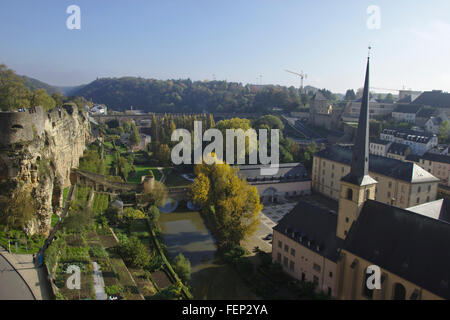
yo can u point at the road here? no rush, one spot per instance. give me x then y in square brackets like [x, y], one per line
[12, 286]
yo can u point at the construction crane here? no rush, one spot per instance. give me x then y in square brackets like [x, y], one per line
[302, 77]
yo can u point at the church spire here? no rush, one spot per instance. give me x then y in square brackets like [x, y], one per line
[359, 172]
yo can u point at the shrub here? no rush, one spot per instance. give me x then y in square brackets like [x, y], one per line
[76, 254]
[114, 290]
[182, 267]
[98, 252]
[135, 253]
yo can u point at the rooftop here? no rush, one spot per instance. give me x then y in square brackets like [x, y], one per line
[407, 108]
[410, 245]
[398, 148]
[287, 172]
[435, 98]
[379, 141]
[443, 158]
[313, 227]
[406, 171]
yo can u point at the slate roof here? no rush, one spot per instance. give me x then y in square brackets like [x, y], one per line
[407, 108]
[435, 98]
[310, 225]
[410, 245]
[406, 171]
[287, 172]
[410, 135]
[426, 112]
[443, 158]
[398, 148]
[379, 141]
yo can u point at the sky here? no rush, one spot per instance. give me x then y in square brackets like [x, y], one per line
[247, 41]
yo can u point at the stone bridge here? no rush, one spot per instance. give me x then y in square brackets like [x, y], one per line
[99, 183]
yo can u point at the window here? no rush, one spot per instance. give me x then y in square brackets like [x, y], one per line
[291, 265]
[399, 292]
[316, 267]
[280, 244]
[428, 198]
[418, 200]
[279, 257]
[367, 194]
[389, 195]
[347, 219]
[293, 252]
[329, 291]
[331, 274]
[419, 189]
[285, 262]
[316, 280]
[303, 276]
[429, 188]
[349, 194]
[390, 184]
[286, 248]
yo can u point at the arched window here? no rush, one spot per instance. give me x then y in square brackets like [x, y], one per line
[399, 292]
[349, 194]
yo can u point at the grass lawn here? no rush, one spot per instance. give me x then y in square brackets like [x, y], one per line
[143, 171]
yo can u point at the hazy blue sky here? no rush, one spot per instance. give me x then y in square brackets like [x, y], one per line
[236, 40]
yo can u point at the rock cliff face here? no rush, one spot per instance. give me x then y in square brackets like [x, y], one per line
[37, 151]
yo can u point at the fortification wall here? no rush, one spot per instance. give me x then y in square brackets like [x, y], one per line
[37, 151]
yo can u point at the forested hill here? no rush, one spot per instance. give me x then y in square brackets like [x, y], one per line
[34, 84]
[187, 96]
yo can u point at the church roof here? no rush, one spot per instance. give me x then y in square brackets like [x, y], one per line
[313, 227]
[410, 245]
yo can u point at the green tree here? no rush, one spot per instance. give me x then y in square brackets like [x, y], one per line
[350, 95]
[17, 210]
[135, 138]
[182, 267]
[444, 132]
[41, 98]
[13, 93]
[134, 252]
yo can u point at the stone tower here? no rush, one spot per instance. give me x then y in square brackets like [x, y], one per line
[357, 186]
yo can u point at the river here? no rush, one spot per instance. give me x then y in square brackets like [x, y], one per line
[186, 233]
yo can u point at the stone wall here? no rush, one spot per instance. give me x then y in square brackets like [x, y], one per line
[37, 151]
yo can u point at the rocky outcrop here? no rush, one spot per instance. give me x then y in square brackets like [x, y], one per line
[37, 151]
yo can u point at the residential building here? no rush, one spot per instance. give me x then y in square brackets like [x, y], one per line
[400, 183]
[379, 147]
[436, 164]
[420, 142]
[292, 179]
[378, 108]
[436, 99]
[433, 124]
[398, 151]
[406, 112]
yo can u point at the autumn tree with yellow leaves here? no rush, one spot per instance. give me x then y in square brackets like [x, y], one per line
[229, 203]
